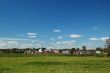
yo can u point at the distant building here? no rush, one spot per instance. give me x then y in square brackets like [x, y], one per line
[65, 52]
[98, 52]
[55, 51]
[40, 50]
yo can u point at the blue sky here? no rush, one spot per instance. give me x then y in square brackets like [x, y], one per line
[54, 23]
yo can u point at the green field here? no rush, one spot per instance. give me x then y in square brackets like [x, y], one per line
[54, 64]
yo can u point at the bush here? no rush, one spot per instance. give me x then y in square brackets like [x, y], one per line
[108, 54]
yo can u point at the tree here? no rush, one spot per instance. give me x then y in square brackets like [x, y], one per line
[43, 49]
[77, 49]
[72, 50]
[99, 49]
[108, 46]
[105, 50]
[108, 43]
[84, 48]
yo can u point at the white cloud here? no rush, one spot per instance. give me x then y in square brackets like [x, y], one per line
[99, 39]
[58, 42]
[93, 39]
[104, 38]
[75, 36]
[12, 39]
[60, 37]
[29, 45]
[20, 44]
[62, 44]
[65, 42]
[12, 42]
[2, 43]
[26, 45]
[8, 44]
[57, 30]
[32, 34]
[35, 44]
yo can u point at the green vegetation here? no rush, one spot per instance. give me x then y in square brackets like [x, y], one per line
[54, 64]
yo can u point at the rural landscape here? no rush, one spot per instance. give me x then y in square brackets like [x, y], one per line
[54, 36]
[41, 60]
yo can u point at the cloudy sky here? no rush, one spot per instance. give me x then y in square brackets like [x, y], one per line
[54, 23]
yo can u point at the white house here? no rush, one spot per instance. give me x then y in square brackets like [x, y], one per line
[66, 52]
[40, 50]
[98, 52]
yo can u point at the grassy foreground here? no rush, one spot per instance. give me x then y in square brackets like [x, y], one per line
[54, 64]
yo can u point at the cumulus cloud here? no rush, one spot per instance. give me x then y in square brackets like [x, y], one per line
[99, 39]
[60, 37]
[75, 36]
[20, 44]
[12, 42]
[57, 30]
[62, 44]
[26, 45]
[104, 38]
[94, 39]
[18, 39]
[2, 43]
[65, 42]
[32, 35]
[30, 45]
[8, 43]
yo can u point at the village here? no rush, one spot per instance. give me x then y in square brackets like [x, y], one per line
[75, 51]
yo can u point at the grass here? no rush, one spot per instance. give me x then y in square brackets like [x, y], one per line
[54, 64]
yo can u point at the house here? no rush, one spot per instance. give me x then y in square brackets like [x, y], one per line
[40, 50]
[90, 51]
[98, 52]
[65, 51]
[78, 52]
[56, 51]
[81, 52]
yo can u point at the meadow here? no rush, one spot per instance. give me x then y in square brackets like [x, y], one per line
[54, 64]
